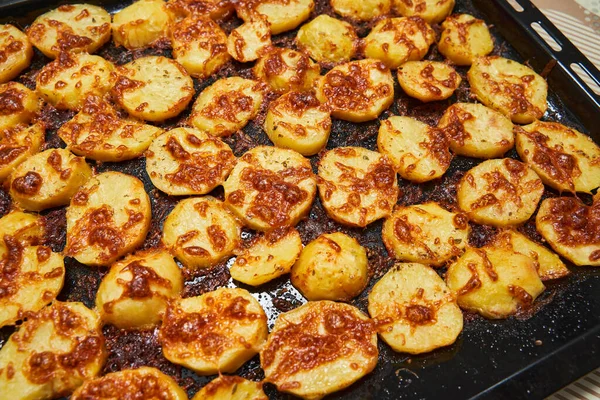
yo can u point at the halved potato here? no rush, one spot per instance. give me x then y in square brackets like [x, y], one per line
[227, 105]
[432, 11]
[270, 188]
[563, 157]
[418, 151]
[464, 38]
[281, 15]
[267, 257]
[141, 24]
[18, 104]
[285, 69]
[425, 233]
[27, 229]
[475, 130]
[250, 40]
[108, 217]
[215, 9]
[52, 353]
[16, 52]
[361, 10]
[213, 333]
[153, 88]
[428, 80]
[201, 232]
[509, 87]
[357, 91]
[70, 27]
[500, 192]
[414, 310]
[357, 186]
[326, 39]
[48, 179]
[319, 348]
[18, 144]
[298, 121]
[227, 387]
[395, 41]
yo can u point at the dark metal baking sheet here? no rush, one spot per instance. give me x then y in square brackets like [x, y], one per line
[513, 358]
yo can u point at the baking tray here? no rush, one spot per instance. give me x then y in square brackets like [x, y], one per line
[529, 356]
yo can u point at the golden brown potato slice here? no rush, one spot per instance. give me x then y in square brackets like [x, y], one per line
[494, 281]
[395, 41]
[432, 11]
[267, 257]
[571, 228]
[418, 151]
[564, 158]
[213, 333]
[298, 121]
[414, 310]
[428, 80]
[227, 105]
[135, 292]
[361, 10]
[284, 70]
[326, 39]
[144, 382]
[48, 179]
[319, 348]
[270, 188]
[16, 52]
[18, 144]
[18, 105]
[187, 161]
[27, 229]
[509, 87]
[199, 46]
[331, 267]
[141, 24]
[250, 40]
[215, 9]
[153, 88]
[282, 16]
[52, 353]
[201, 232]
[357, 91]
[108, 217]
[500, 192]
[464, 38]
[227, 387]
[425, 233]
[70, 27]
[357, 186]
[475, 130]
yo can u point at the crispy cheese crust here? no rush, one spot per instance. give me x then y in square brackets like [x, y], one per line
[464, 38]
[18, 105]
[17, 144]
[428, 80]
[282, 15]
[27, 229]
[250, 40]
[432, 11]
[284, 70]
[15, 52]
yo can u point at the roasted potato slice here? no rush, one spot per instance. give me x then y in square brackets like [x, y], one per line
[475, 130]
[213, 333]
[108, 217]
[327, 39]
[331, 267]
[298, 121]
[201, 232]
[509, 87]
[270, 188]
[464, 38]
[141, 24]
[27, 229]
[428, 80]
[432, 11]
[563, 157]
[425, 233]
[250, 40]
[418, 151]
[361, 10]
[282, 16]
[395, 41]
[215, 9]
[18, 144]
[227, 387]
[267, 257]
[284, 70]
[357, 186]
[70, 27]
[18, 104]
[414, 310]
[500, 192]
[48, 179]
[52, 353]
[349, 354]
[16, 52]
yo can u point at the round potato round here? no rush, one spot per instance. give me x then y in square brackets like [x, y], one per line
[282, 16]
[17, 52]
[284, 70]
[357, 91]
[395, 41]
[464, 38]
[425, 233]
[27, 229]
[428, 80]
[215, 9]
[475, 130]
[18, 144]
[201, 232]
[298, 121]
[270, 188]
[231, 388]
[414, 310]
[108, 217]
[141, 24]
[48, 179]
[186, 161]
[153, 88]
[432, 11]
[357, 186]
[341, 341]
[213, 333]
[70, 27]
[326, 39]
[18, 105]
[361, 10]
[500, 192]
[509, 87]
[564, 158]
[250, 40]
